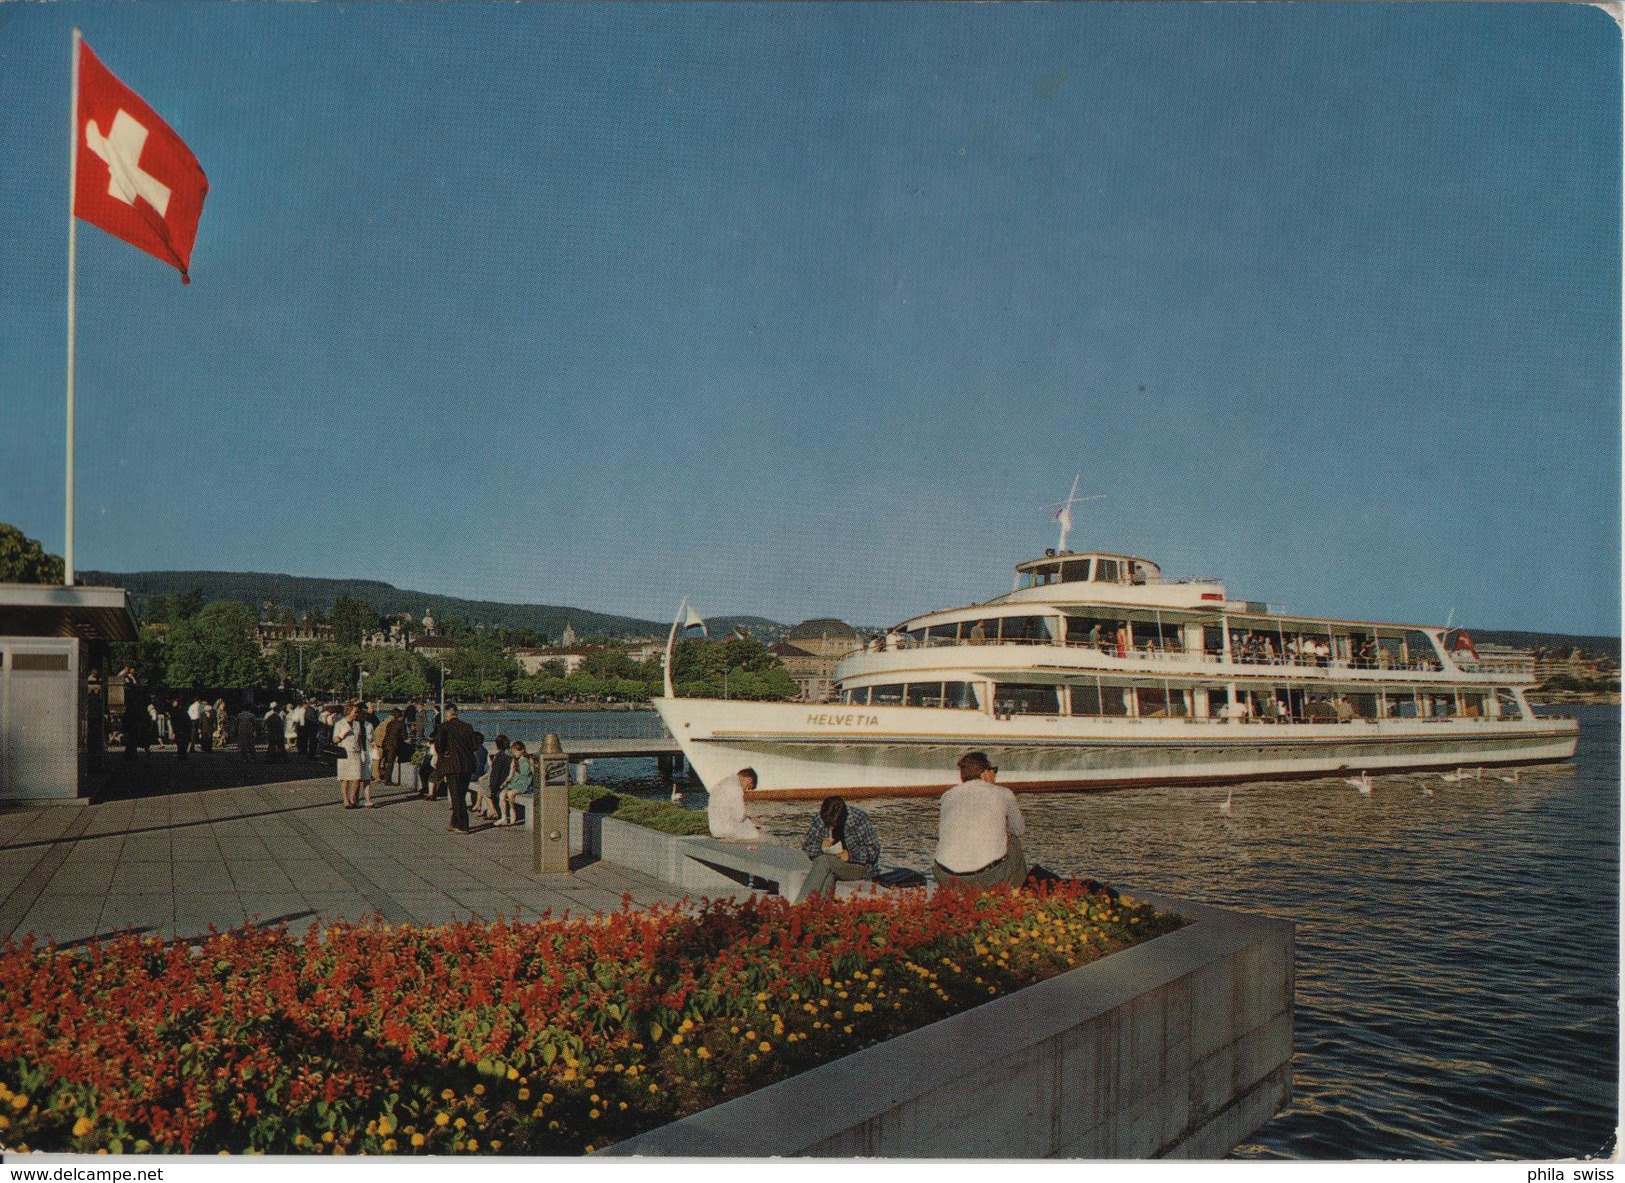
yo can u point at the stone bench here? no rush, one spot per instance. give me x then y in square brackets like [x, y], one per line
[784, 868]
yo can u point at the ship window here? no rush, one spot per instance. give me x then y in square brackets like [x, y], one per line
[1075, 571]
[1364, 705]
[1086, 700]
[941, 634]
[1156, 703]
[1401, 706]
[1472, 705]
[858, 695]
[1508, 703]
[1089, 630]
[1422, 655]
[1440, 706]
[924, 694]
[1114, 699]
[960, 696]
[1015, 698]
[1106, 571]
[1024, 629]
[886, 696]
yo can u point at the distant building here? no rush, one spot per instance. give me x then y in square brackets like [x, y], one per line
[810, 652]
[271, 633]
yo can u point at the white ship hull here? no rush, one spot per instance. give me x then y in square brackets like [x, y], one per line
[803, 751]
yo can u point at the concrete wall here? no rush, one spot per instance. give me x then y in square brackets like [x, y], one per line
[659, 856]
[1180, 1047]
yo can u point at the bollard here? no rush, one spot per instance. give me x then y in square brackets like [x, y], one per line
[552, 827]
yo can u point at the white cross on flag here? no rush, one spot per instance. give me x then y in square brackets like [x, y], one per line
[137, 179]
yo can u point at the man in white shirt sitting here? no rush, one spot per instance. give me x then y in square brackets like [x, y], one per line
[725, 807]
[979, 830]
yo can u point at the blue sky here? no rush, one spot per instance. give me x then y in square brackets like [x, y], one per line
[808, 310]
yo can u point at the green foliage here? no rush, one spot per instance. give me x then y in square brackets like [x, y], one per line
[23, 560]
[173, 609]
[662, 816]
[735, 668]
[352, 620]
[331, 669]
[395, 674]
[478, 670]
[218, 649]
[146, 654]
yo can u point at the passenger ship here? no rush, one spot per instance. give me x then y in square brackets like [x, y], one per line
[1096, 672]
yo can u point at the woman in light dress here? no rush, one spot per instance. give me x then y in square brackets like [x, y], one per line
[350, 733]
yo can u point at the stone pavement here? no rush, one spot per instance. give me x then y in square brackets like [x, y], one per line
[175, 847]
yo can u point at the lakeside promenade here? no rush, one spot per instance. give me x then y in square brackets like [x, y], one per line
[171, 847]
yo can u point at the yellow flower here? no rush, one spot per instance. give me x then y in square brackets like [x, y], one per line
[446, 1094]
[473, 1143]
[442, 1119]
[479, 1090]
[461, 1123]
[513, 1074]
[19, 1101]
[386, 1124]
[418, 1139]
[593, 1113]
[704, 1053]
[390, 1146]
[765, 1046]
[496, 1143]
[82, 1127]
[524, 1094]
[5, 1122]
[676, 1039]
[547, 1098]
[328, 1137]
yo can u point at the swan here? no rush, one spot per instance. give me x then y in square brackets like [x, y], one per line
[1224, 806]
[1513, 779]
[1361, 782]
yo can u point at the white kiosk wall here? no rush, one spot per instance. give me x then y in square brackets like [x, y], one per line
[39, 718]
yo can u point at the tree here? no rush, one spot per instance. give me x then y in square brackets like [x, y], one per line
[146, 654]
[331, 669]
[735, 668]
[217, 649]
[395, 674]
[23, 560]
[352, 620]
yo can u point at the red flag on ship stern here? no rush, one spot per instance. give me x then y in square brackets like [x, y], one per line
[136, 179]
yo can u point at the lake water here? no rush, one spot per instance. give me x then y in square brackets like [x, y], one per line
[1458, 954]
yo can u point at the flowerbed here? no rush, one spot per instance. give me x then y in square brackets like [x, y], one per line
[549, 1037]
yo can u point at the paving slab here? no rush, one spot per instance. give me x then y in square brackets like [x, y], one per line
[175, 847]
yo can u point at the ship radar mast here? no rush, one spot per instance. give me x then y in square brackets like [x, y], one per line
[1061, 511]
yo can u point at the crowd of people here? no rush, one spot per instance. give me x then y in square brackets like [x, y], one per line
[979, 831]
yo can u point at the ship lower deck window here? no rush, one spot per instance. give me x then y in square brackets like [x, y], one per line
[886, 696]
[858, 695]
[1472, 705]
[1401, 706]
[1154, 702]
[1507, 703]
[1017, 698]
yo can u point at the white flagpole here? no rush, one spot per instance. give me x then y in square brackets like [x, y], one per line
[73, 266]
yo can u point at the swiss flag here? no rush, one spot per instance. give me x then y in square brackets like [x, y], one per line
[136, 179]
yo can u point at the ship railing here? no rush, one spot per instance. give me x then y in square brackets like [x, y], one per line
[1150, 651]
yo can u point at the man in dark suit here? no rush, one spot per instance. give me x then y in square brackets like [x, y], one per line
[454, 743]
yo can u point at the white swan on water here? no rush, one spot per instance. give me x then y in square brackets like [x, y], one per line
[1361, 782]
[1513, 779]
[1224, 806]
[1461, 774]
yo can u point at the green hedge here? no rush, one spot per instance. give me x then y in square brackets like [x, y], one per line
[661, 816]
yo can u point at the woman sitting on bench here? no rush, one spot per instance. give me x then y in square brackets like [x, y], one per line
[519, 784]
[842, 845]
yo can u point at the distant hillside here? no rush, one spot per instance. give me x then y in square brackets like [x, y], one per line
[305, 593]
[1560, 641]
